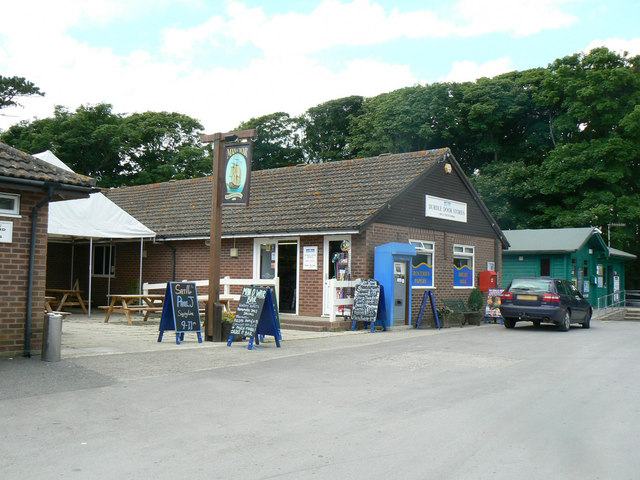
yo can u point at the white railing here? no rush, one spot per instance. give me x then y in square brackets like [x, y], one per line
[336, 299]
[226, 283]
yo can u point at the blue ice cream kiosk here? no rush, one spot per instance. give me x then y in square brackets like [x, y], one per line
[392, 270]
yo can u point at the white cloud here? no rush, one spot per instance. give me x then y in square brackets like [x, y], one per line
[520, 18]
[617, 45]
[285, 75]
[468, 71]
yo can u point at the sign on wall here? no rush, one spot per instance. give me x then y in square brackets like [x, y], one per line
[462, 276]
[237, 174]
[6, 232]
[422, 272]
[437, 207]
[309, 258]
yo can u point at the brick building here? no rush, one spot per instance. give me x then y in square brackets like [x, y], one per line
[27, 186]
[308, 223]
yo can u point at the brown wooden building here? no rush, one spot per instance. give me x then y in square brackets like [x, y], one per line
[27, 185]
[299, 217]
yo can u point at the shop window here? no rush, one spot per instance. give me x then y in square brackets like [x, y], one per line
[463, 264]
[9, 204]
[422, 264]
[103, 255]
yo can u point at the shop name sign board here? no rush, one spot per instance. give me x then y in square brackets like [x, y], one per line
[6, 232]
[437, 207]
[181, 311]
[237, 173]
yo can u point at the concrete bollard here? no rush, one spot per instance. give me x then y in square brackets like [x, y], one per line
[52, 337]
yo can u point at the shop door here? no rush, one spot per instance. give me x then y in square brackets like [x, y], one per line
[337, 264]
[288, 273]
[279, 259]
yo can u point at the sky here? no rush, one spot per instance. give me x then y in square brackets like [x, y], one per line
[223, 62]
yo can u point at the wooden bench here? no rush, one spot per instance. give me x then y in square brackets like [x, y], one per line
[456, 306]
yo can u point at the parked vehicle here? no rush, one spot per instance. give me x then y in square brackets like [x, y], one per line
[544, 300]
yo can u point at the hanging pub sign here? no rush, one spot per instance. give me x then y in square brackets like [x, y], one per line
[237, 173]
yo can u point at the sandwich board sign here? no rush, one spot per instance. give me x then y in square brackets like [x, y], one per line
[181, 312]
[255, 316]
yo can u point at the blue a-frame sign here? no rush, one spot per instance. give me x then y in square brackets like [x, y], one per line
[181, 303]
[252, 323]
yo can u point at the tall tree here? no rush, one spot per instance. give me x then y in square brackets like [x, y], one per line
[278, 143]
[13, 87]
[326, 129]
[158, 146]
[114, 149]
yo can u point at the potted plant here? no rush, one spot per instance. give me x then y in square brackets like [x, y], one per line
[476, 303]
[227, 322]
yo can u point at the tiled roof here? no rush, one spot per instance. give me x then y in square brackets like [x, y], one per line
[334, 196]
[17, 164]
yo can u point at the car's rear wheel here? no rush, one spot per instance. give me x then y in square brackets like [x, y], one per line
[509, 322]
[587, 320]
[565, 325]
[536, 323]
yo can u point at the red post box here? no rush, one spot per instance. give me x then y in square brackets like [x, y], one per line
[487, 280]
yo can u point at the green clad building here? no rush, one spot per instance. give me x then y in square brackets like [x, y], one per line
[579, 255]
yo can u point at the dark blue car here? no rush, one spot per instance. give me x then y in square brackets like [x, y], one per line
[544, 300]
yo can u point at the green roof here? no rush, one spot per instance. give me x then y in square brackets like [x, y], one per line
[556, 240]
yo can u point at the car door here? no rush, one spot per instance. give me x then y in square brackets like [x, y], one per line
[578, 304]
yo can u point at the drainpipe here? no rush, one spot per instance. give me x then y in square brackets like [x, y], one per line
[32, 255]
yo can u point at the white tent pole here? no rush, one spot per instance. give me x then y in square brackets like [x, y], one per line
[90, 268]
[140, 280]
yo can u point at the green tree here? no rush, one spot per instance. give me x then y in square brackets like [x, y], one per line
[159, 146]
[12, 88]
[326, 129]
[278, 143]
[115, 149]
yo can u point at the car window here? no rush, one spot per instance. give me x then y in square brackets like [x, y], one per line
[572, 289]
[533, 284]
[561, 288]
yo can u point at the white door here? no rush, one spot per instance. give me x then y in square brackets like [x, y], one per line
[336, 263]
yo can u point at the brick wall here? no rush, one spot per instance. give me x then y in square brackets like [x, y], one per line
[14, 271]
[192, 263]
[485, 251]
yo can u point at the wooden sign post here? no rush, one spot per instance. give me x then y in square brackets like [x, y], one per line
[180, 311]
[255, 316]
[366, 304]
[213, 327]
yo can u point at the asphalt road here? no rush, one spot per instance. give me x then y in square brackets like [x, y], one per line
[463, 403]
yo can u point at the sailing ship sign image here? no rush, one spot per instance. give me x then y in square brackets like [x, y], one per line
[237, 173]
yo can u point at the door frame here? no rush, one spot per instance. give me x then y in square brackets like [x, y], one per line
[257, 242]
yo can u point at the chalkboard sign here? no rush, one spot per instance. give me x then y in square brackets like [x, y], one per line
[255, 316]
[366, 301]
[249, 310]
[181, 311]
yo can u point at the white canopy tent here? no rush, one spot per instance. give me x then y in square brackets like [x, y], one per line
[89, 218]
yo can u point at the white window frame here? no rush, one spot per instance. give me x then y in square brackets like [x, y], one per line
[426, 247]
[466, 251]
[15, 211]
[109, 253]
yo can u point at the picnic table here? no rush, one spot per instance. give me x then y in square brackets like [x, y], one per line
[65, 297]
[127, 303]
